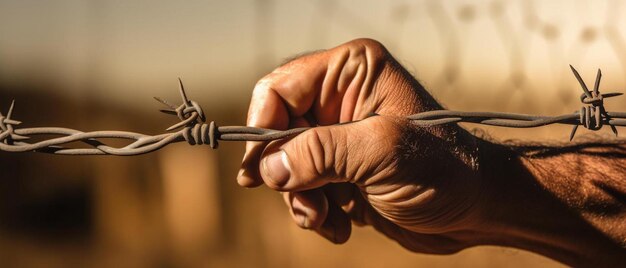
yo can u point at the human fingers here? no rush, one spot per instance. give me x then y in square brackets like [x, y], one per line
[316, 210]
[332, 86]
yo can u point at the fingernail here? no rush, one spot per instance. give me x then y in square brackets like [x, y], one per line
[301, 219]
[277, 167]
[300, 213]
[242, 179]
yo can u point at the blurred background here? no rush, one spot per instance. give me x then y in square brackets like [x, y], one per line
[94, 65]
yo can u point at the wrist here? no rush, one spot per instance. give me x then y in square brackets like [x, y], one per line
[519, 209]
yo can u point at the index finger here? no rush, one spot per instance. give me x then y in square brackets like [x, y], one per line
[278, 99]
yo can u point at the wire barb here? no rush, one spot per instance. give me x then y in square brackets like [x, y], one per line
[8, 135]
[593, 114]
[193, 129]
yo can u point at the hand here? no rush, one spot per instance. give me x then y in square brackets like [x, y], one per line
[419, 186]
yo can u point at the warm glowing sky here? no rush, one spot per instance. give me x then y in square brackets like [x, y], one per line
[103, 48]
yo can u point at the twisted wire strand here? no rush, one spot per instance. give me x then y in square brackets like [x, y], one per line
[193, 129]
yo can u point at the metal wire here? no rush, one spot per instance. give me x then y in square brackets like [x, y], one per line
[193, 129]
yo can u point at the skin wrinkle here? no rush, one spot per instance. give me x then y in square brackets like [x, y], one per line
[396, 176]
[361, 167]
[358, 83]
[312, 147]
[339, 156]
[351, 77]
[407, 193]
[329, 99]
[350, 100]
[342, 158]
[330, 159]
[370, 170]
[372, 75]
[361, 170]
[432, 218]
[343, 80]
[347, 170]
[379, 136]
[317, 148]
[402, 203]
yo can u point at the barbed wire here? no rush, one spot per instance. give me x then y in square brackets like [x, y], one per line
[193, 129]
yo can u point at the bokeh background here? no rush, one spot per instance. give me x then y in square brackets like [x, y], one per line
[94, 65]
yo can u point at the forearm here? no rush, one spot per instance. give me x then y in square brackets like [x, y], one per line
[566, 203]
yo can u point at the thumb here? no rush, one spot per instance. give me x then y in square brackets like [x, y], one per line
[354, 152]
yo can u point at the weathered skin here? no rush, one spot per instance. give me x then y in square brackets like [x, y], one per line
[434, 190]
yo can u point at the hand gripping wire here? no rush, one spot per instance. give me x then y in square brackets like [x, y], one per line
[193, 128]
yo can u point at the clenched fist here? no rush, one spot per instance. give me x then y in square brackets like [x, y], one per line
[418, 186]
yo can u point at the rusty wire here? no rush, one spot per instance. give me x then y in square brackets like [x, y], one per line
[193, 129]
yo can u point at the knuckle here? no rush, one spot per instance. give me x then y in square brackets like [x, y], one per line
[372, 50]
[369, 56]
[269, 81]
[260, 94]
[371, 45]
[262, 86]
[365, 49]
